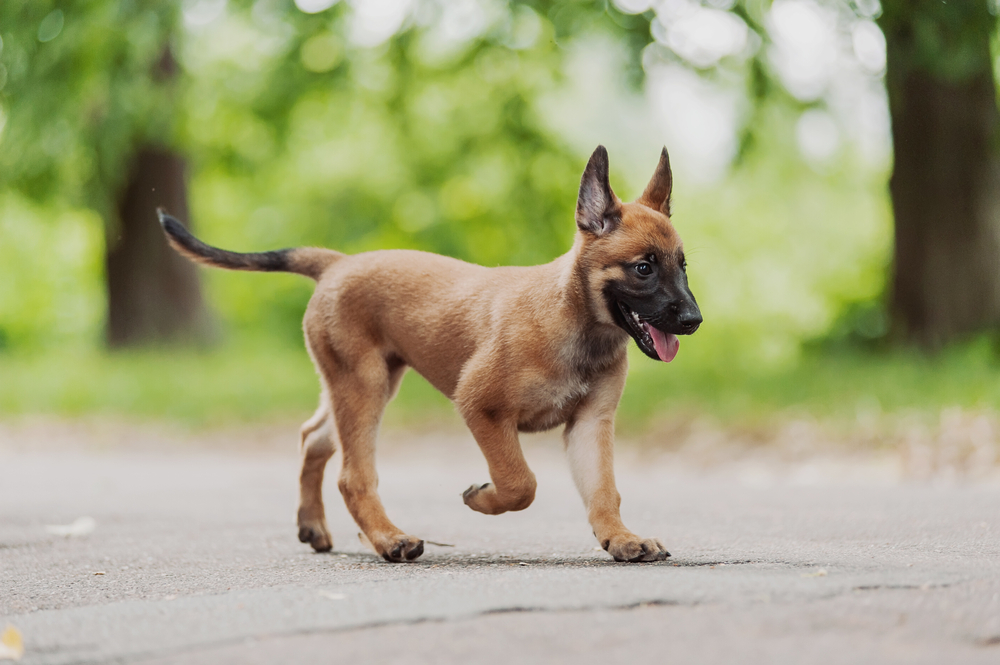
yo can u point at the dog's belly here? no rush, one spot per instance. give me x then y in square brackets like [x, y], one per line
[541, 420]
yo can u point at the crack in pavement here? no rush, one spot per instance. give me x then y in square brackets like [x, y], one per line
[926, 586]
[333, 630]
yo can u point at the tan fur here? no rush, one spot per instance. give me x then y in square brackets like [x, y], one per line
[515, 348]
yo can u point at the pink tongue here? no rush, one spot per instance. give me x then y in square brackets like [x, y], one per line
[666, 344]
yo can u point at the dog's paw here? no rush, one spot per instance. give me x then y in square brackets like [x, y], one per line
[317, 535]
[633, 549]
[399, 549]
[486, 499]
[476, 497]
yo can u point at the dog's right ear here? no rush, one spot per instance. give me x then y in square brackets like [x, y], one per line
[597, 208]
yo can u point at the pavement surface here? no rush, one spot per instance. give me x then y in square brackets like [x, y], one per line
[190, 556]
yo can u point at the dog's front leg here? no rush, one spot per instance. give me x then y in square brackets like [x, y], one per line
[513, 486]
[590, 441]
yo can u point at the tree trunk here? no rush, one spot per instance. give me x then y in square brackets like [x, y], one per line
[154, 295]
[945, 185]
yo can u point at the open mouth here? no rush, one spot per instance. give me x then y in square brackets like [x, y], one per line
[655, 343]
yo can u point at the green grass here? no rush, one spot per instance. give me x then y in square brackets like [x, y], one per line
[834, 385]
[261, 381]
[242, 382]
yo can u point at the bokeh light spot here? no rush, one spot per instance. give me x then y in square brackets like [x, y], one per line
[633, 6]
[375, 21]
[702, 36]
[315, 6]
[199, 13]
[51, 26]
[817, 135]
[414, 211]
[805, 46]
[322, 53]
[869, 46]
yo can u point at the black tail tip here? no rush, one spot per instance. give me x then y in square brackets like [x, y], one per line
[170, 224]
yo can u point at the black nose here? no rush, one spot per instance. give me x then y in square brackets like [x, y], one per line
[689, 321]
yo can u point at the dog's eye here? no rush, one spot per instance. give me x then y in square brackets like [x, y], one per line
[644, 269]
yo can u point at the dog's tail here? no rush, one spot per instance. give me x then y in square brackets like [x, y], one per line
[308, 261]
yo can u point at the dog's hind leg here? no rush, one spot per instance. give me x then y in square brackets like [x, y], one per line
[317, 448]
[358, 398]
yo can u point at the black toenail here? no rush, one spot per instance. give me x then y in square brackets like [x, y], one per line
[416, 551]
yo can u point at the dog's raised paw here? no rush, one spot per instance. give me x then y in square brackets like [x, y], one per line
[482, 499]
[634, 549]
[320, 540]
[473, 491]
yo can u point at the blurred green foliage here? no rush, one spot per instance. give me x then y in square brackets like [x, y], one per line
[78, 90]
[297, 135]
[51, 261]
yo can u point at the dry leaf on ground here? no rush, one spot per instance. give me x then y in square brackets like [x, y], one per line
[80, 527]
[11, 644]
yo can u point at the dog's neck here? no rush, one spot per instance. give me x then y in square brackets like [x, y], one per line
[576, 292]
[598, 341]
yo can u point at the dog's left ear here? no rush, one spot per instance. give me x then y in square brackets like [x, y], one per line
[597, 208]
[657, 194]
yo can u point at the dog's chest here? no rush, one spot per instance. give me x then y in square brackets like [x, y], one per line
[549, 403]
[554, 390]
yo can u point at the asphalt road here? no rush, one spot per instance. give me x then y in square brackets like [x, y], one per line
[193, 558]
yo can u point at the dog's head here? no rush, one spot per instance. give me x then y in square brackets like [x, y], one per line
[633, 260]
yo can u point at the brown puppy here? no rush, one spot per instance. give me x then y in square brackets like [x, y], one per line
[515, 348]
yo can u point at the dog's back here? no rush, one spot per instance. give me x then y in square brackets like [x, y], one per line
[433, 312]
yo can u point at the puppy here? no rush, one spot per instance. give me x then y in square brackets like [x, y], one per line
[517, 349]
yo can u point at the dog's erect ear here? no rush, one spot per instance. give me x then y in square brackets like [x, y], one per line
[597, 209]
[657, 194]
